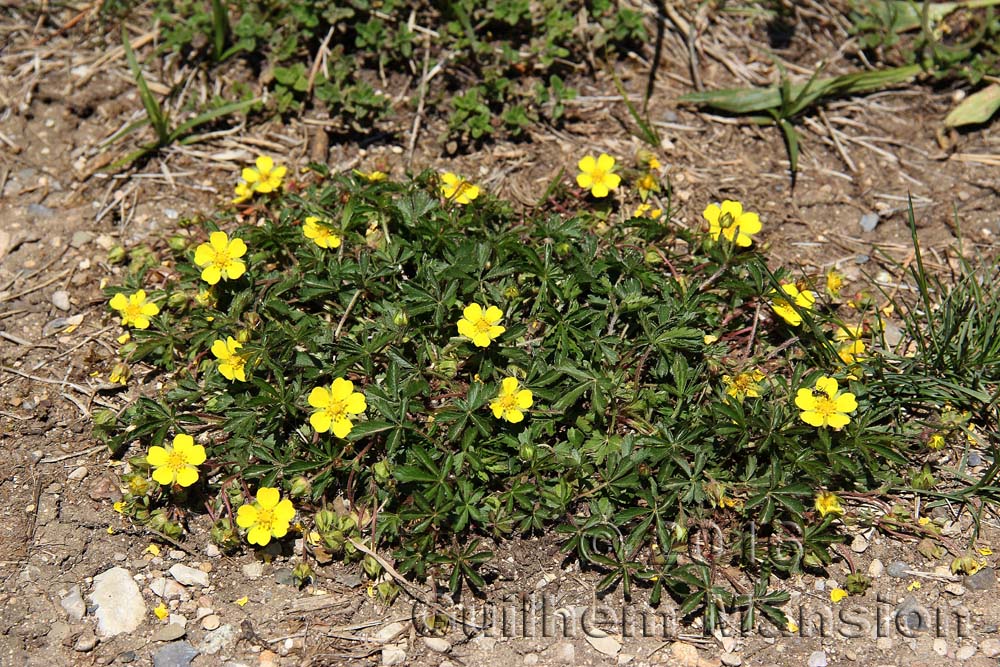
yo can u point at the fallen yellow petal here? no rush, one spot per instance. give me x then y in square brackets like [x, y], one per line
[161, 611]
[243, 600]
[152, 549]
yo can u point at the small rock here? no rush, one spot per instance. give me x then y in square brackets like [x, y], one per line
[40, 211]
[955, 589]
[851, 655]
[728, 644]
[731, 659]
[990, 648]
[913, 614]
[940, 646]
[875, 569]
[253, 570]
[60, 299]
[975, 459]
[127, 657]
[176, 554]
[884, 644]
[73, 604]
[898, 569]
[983, 580]
[625, 658]
[81, 238]
[285, 577]
[78, 474]
[177, 619]
[859, 544]
[168, 589]
[393, 654]
[169, 633]
[85, 642]
[189, 576]
[563, 653]
[685, 655]
[212, 551]
[868, 222]
[605, 644]
[437, 644]
[120, 607]
[965, 652]
[531, 659]
[177, 654]
[211, 622]
[389, 633]
[216, 640]
[104, 488]
[268, 659]
[817, 659]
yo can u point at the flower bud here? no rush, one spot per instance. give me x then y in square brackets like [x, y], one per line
[117, 254]
[177, 300]
[324, 520]
[177, 242]
[400, 319]
[301, 486]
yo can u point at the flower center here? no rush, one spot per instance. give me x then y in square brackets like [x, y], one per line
[337, 410]
[222, 258]
[825, 406]
[742, 382]
[265, 518]
[176, 461]
[483, 326]
[133, 310]
[598, 174]
[726, 220]
[508, 402]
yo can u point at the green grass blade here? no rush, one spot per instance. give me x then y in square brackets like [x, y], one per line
[648, 132]
[791, 142]
[226, 109]
[220, 29]
[153, 109]
[750, 100]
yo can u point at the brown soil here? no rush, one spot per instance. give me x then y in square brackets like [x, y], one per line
[60, 97]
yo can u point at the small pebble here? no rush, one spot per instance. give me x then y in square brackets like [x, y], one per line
[731, 659]
[85, 642]
[898, 569]
[990, 648]
[437, 644]
[253, 570]
[60, 299]
[859, 544]
[983, 580]
[965, 652]
[868, 222]
[940, 646]
[78, 474]
[817, 659]
[211, 622]
[875, 569]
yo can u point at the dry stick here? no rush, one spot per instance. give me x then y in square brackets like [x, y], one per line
[35, 288]
[350, 306]
[321, 53]
[836, 142]
[72, 455]
[422, 90]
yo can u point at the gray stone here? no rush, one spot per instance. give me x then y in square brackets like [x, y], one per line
[73, 604]
[189, 576]
[990, 648]
[120, 607]
[85, 642]
[78, 474]
[975, 459]
[81, 238]
[212, 551]
[915, 616]
[983, 580]
[168, 589]
[285, 577]
[731, 659]
[60, 299]
[177, 654]
[393, 654]
[253, 570]
[168, 633]
[965, 652]
[389, 632]
[898, 569]
[211, 622]
[868, 222]
[563, 653]
[216, 640]
[817, 659]
[437, 644]
[40, 211]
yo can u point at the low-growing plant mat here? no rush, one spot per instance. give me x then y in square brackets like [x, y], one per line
[67, 88]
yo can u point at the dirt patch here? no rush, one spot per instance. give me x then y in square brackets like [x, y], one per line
[61, 215]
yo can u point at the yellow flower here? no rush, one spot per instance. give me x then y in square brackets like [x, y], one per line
[792, 626]
[231, 365]
[782, 306]
[120, 373]
[827, 502]
[834, 282]
[267, 517]
[457, 189]
[914, 585]
[124, 338]
[848, 332]
[511, 401]
[744, 384]
[708, 339]
[265, 177]
[966, 564]
[646, 184]
[119, 507]
[647, 211]
[372, 176]
[220, 258]
[204, 298]
[829, 408]
[135, 309]
[597, 175]
[851, 352]
[320, 234]
[243, 192]
[176, 464]
[837, 594]
[480, 326]
[730, 221]
[335, 407]
[161, 611]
